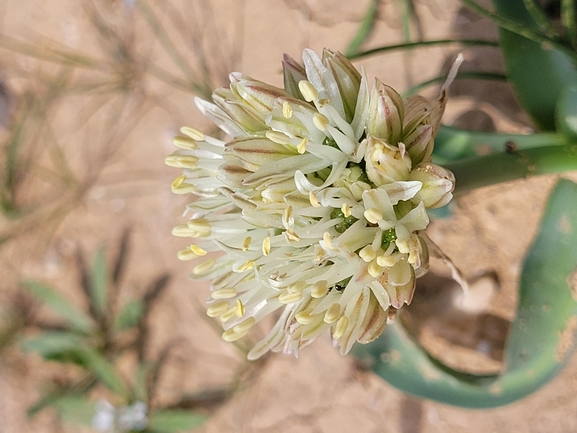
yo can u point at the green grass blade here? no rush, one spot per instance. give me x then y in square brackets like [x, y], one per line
[568, 19]
[52, 344]
[129, 316]
[75, 318]
[104, 371]
[542, 335]
[168, 421]
[365, 29]
[99, 282]
[422, 44]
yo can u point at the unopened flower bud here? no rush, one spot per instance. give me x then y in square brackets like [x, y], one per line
[386, 112]
[438, 184]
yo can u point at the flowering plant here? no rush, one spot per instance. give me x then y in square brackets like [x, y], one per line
[318, 201]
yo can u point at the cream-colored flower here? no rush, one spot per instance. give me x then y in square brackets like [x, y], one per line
[314, 206]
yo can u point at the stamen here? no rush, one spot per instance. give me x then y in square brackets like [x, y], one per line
[186, 161]
[341, 327]
[278, 137]
[402, 245]
[302, 146]
[266, 246]
[287, 297]
[190, 253]
[367, 254]
[239, 308]
[248, 265]
[320, 289]
[313, 199]
[183, 231]
[287, 110]
[386, 261]
[184, 143]
[204, 267]
[292, 236]
[308, 91]
[328, 240]
[193, 133]
[299, 286]
[320, 121]
[346, 210]
[373, 215]
[304, 317]
[374, 269]
[225, 293]
[217, 308]
[201, 226]
[228, 313]
[178, 181]
[232, 335]
[244, 325]
[246, 243]
[333, 313]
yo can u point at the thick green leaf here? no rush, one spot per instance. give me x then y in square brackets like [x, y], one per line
[542, 335]
[130, 315]
[453, 144]
[75, 318]
[538, 72]
[52, 343]
[167, 421]
[566, 114]
[99, 282]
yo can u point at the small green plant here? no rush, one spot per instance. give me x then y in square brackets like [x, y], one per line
[94, 340]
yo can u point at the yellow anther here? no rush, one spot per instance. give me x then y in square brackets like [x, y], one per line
[278, 137]
[320, 121]
[299, 286]
[186, 161]
[373, 215]
[225, 293]
[232, 335]
[201, 226]
[186, 254]
[245, 325]
[228, 313]
[288, 211]
[333, 313]
[248, 265]
[386, 261]
[308, 91]
[184, 143]
[302, 146]
[304, 317]
[367, 254]
[239, 308]
[178, 181]
[246, 243]
[204, 267]
[374, 269]
[319, 254]
[320, 289]
[217, 308]
[287, 297]
[287, 110]
[313, 199]
[402, 245]
[193, 133]
[266, 246]
[328, 240]
[341, 327]
[170, 160]
[183, 231]
[346, 210]
[292, 236]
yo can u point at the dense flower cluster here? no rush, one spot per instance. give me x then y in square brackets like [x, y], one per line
[316, 203]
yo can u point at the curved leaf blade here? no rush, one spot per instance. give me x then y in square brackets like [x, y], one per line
[542, 335]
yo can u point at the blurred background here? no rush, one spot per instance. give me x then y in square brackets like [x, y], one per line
[96, 312]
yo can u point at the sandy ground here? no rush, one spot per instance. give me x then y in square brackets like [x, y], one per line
[119, 141]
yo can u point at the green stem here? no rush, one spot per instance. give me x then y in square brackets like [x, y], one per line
[421, 44]
[518, 164]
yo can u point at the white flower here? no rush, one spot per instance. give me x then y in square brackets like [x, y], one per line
[110, 419]
[315, 205]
